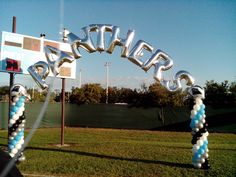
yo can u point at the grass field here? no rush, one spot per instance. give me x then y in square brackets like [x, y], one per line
[109, 153]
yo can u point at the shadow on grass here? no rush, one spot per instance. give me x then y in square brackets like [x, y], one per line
[89, 154]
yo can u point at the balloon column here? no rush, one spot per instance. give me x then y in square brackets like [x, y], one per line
[17, 121]
[199, 129]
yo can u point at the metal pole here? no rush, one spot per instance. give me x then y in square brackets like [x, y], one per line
[11, 81]
[107, 80]
[14, 24]
[62, 110]
[80, 75]
[63, 97]
[33, 93]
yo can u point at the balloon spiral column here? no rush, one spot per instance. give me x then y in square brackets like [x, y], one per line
[17, 121]
[199, 129]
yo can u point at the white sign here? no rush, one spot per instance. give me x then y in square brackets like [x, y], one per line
[24, 51]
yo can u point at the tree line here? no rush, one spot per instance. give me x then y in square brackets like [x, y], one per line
[155, 95]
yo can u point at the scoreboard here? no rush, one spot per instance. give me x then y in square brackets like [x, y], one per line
[18, 52]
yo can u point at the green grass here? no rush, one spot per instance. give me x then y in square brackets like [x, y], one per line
[107, 152]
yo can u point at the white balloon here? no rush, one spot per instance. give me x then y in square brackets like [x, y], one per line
[197, 165]
[19, 113]
[196, 107]
[15, 117]
[14, 134]
[200, 125]
[22, 125]
[22, 109]
[13, 103]
[11, 154]
[11, 138]
[193, 113]
[202, 160]
[204, 138]
[18, 146]
[12, 121]
[14, 151]
[19, 129]
[206, 155]
[200, 142]
[15, 99]
[21, 141]
[199, 101]
[203, 120]
[196, 147]
[23, 121]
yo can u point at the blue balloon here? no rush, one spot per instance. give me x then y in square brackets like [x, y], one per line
[22, 99]
[192, 124]
[14, 109]
[204, 146]
[197, 116]
[201, 150]
[21, 133]
[19, 104]
[10, 146]
[196, 156]
[203, 106]
[196, 122]
[18, 137]
[201, 111]
[12, 114]
[10, 142]
[13, 142]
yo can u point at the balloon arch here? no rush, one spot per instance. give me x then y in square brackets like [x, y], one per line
[159, 60]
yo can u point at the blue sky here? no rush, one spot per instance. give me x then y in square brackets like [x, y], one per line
[200, 36]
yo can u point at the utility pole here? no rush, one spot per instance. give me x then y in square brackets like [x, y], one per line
[107, 64]
[32, 93]
[80, 77]
[63, 83]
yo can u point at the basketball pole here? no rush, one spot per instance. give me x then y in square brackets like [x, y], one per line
[11, 80]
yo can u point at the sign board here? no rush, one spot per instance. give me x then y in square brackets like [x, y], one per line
[18, 52]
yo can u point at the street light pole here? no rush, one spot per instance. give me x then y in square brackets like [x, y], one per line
[80, 76]
[107, 64]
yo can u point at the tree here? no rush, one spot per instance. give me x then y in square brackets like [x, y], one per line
[220, 94]
[40, 96]
[113, 95]
[4, 90]
[232, 90]
[159, 95]
[89, 93]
